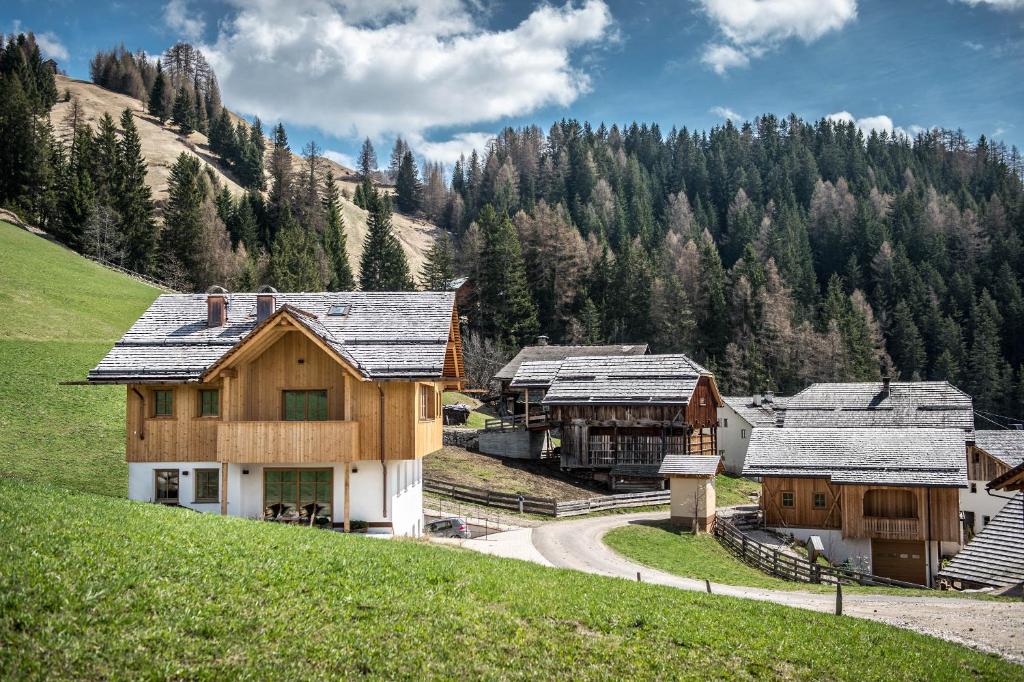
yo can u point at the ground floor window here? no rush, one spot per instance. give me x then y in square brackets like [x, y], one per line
[167, 486]
[788, 499]
[207, 485]
[298, 494]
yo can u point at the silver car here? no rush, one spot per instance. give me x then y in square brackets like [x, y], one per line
[451, 527]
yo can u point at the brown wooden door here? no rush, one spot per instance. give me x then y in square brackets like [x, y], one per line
[899, 559]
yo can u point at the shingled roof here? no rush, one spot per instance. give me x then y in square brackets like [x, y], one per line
[752, 408]
[866, 456]
[917, 404]
[1005, 446]
[995, 557]
[652, 379]
[690, 465]
[552, 352]
[535, 374]
[382, 334]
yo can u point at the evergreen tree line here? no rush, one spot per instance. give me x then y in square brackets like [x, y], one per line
[780, 252]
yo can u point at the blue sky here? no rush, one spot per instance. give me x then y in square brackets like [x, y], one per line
[446, 74]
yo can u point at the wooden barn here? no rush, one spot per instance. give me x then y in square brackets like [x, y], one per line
[620, 416]
[886, 499]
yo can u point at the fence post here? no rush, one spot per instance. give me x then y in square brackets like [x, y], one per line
[707, 584]
[839, 599]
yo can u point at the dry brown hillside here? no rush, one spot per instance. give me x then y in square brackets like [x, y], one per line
[161, 145]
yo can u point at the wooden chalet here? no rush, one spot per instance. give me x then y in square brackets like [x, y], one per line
[991, 455]
[884, 497]
[620, 416]
[310, 407]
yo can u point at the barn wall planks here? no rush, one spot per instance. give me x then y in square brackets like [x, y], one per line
[185, 436]
[803, 513]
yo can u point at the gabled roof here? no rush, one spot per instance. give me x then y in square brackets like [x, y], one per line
[1009, 480]
[871, 456]
[995, 557]
[918, 404]
[651, 379]
[535, 374]
[1005, 446]
[383, 334]
[552, 352]
[691, 465]
[754, 410]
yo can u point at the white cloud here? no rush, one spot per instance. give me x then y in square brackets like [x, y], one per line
[996, 4]
[50, 46]
[971, 45]
[344, 159]
[881, 123]
[448, 151]
[358, 68]
[180, 18]
[752, 27]
[727, 114]
[721, 58]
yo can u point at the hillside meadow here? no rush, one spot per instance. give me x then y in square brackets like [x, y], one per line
[93, 586]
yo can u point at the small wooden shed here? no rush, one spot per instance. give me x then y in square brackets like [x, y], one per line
[692, 484]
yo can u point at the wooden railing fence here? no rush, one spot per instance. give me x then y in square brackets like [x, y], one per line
[798, 569]
[542, 505]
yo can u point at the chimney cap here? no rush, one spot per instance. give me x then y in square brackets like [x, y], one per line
[542, 340]
[267, 289]
[217, 290]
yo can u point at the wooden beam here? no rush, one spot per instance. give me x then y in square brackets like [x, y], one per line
[224, 489]
[345, 513]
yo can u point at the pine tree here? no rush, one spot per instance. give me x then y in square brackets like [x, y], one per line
[184, 114]
[367, 159]
[134, 199]
[439, 267]
[252, 157]
[78, 195]
[335, 239]
[281, 181]
[183, 225]
[105, 161]
[383, 266]
[408, 189]
[507, 312]
[906, 344]
[160, 96]
[293, 261]
[987, 366]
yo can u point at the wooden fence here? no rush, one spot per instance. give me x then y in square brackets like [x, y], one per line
[798, 569]
[542, 505]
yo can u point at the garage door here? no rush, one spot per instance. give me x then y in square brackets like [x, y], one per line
[899, 560]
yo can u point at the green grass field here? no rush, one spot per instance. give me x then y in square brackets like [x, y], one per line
[117, 589]
[476, 419]
[93, 586]
[732, 490]
[61, 314]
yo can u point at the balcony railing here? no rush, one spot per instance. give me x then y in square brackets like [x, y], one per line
[287, 442]
[892, 529]
[622, 451]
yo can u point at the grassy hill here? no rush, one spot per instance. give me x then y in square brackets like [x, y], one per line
[98, 587]
[161, 145]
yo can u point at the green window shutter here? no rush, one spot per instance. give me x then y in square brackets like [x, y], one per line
[317, 405]
[294, 405]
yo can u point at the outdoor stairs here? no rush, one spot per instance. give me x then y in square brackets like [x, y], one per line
[745, 518]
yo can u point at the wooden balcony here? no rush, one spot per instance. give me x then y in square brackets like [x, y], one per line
[627, 450]
[287, 442]
[892, 529]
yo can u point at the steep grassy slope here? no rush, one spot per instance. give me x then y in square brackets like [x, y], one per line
[60, 314]
[129, 590]
[161, 145]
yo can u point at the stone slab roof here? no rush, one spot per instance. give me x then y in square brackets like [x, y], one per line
[690, 465]
[919, 404]
[650, 379]
[866, 456]
[751, 408]
[535, 374]
[995, 557]
[552, 352]
[1005, 446]
[383, 334]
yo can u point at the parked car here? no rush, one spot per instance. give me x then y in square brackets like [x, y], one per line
[452, 527]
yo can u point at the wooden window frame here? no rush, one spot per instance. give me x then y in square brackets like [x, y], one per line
[814, 500]
[298, 482]
[428, 403]
[306, 391]
[203, 392]
[792, 499]
[156, 487]
[206, 499]
[156, 403]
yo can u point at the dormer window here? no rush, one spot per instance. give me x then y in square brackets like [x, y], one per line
[338, 310]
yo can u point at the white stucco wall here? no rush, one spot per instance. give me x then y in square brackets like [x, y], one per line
[837, 548]
[245, 490]
[733, 438]
[981, 503]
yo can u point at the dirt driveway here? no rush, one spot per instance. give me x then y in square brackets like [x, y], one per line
[992, 626]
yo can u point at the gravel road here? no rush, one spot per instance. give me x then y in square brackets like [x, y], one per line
[991, 626]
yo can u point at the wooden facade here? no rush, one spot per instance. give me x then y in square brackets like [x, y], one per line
[862, 511]
[365, 420]
[981, 466]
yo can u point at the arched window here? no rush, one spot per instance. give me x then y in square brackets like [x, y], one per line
[890, 504]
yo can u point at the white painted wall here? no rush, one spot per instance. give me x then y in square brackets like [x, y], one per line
[981, 503]
[245, 490]
[733, 438]
[837, 548]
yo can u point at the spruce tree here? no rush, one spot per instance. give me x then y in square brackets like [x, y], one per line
[906, 344]
[439, 267]
[105, 160]
[134, 199]
[507, 312]
[159, 96]
[293, 260]
[183, 114]
[407, 185]
[987, 366]
[183, 224]
[335, 239]
[383, 266]
[367, 159]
